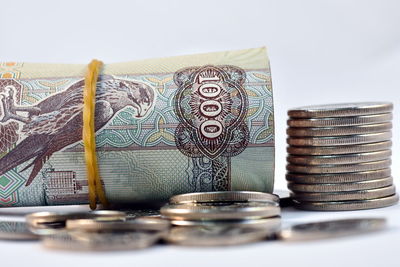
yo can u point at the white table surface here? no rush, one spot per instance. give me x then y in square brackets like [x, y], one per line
[320, 52]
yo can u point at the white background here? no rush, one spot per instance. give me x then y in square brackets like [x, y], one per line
[320, 52]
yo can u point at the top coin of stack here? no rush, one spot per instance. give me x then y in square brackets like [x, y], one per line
[339, 156]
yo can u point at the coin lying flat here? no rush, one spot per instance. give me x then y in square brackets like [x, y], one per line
[345, 121]
[109, 241]
[218, 234]
[61, 217]
[331, 229]
[262, 223]
[15, 230]
[49, 223]
[340, 140]
[345, 195]
[337, 177]
[340, 159]
[340, 131]
[338, 150]
[340, 168]
[220, 210]
[224, 196]
[349, 205]
[93, 225]
[341, 110]
[353, 186]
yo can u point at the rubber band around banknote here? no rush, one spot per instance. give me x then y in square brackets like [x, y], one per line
[96, 190]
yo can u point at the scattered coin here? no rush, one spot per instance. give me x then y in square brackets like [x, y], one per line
[331, 229]
[338, 150]
[340, 159]
[341, 110]
[338, 177]
[15, 230]
[345, 195]
[344, 121]
[349, 205]
[93, 225]
[48, 223]
[272, 222]
[108, 241]
[340, 131]
[340, 140]
[340, 168]
[224, 196]
[220, 211]
[342, 187]
[218, 234]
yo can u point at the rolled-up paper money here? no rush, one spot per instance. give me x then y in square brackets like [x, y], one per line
[163, 127]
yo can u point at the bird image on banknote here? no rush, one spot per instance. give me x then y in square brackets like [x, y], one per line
[35, 132]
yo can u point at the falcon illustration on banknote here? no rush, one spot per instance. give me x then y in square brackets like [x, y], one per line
[56, 121]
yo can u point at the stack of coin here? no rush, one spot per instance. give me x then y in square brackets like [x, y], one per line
[340, 156]
[221, 218]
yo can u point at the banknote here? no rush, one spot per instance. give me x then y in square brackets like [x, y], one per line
[163, 127]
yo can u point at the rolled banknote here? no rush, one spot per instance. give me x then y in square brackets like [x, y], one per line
[163, 127]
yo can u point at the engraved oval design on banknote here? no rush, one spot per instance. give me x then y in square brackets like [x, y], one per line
[211, 105]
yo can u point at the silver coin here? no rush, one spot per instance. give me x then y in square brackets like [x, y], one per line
[338, 122]
[15, 230]
[348, 205]
[93, 225]
[339, 140]
[340, 168]
[216, 234]
[108, 241]
[220, 210]
[340, 159]
[339, 150]
[338, 178]
[345, 195]
[370, 184]
[331, 229]
[341, 110]
[49, 223]
[261, 222]
[340, 131]
[224, 196]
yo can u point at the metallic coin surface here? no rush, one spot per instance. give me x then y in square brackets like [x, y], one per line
[341, 110]
[340, 159]
[54, 218]
[93, 225]
[348, 205]
[353, 186]
[340, 168]
[50, 223]
[331, 229]
[338, 177]
[108, 241]
[338, 122]
[345, 195]
[224, 196]
[220, 210]
[338, 150]
[15, 230]
[217, 234]
[340, 140]
[340, 131]
[262, 222]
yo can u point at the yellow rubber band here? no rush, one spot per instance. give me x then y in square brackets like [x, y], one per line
[96, 190]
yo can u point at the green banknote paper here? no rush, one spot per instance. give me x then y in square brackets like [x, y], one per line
[163, 127]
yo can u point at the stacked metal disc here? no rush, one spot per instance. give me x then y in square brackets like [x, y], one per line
[222, 218]
[340, 156]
